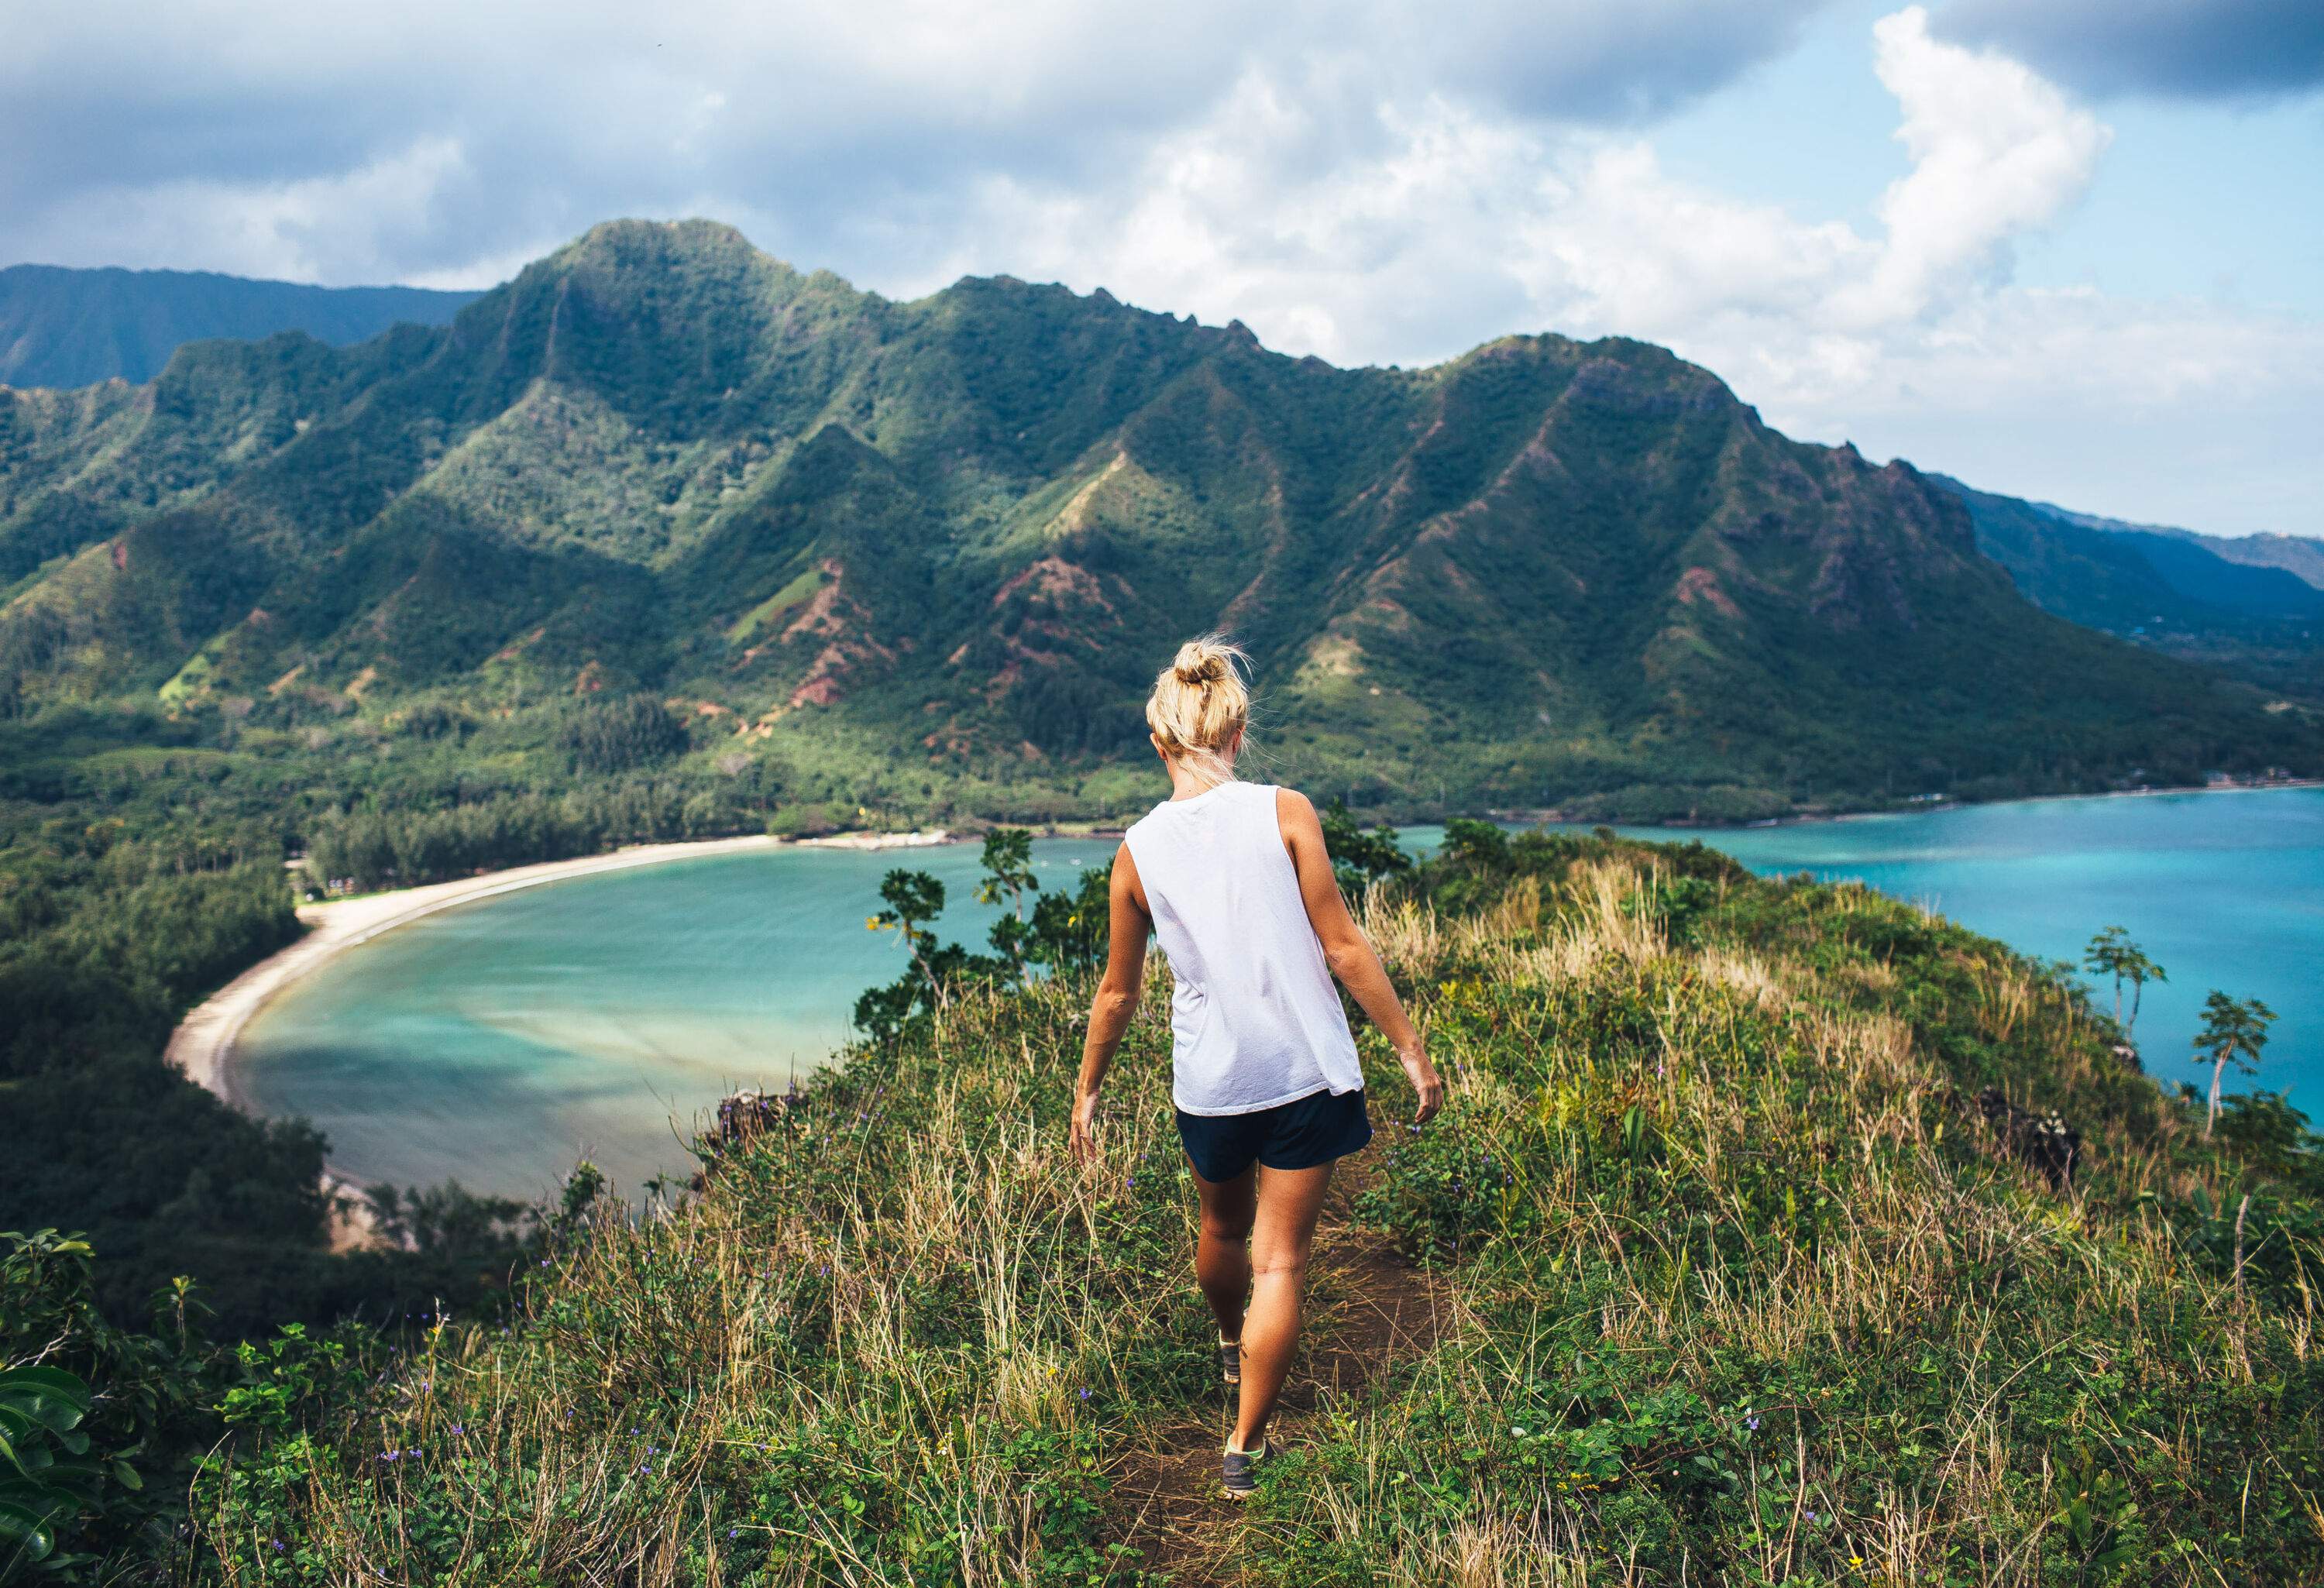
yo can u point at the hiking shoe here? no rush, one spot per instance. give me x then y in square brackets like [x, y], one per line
[1230, 1360]
[1241, 1472]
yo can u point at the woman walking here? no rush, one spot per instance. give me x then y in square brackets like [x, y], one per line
[1233, 878]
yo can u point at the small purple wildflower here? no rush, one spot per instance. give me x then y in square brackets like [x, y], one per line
[1084, 1395]
[1752, 1424]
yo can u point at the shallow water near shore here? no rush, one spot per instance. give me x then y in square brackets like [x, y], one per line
[496, 1042]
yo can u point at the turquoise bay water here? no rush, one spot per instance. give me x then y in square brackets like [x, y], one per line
[496, 1042]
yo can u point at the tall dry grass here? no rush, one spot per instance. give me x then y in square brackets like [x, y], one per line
[1730, 1289]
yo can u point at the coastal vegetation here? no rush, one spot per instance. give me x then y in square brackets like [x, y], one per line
[1772, 1232]
[106, 940]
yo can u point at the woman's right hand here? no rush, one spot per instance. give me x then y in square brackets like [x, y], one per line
[1084, 1134]
[1426, 1086]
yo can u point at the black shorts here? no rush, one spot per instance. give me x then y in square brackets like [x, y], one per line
[1295, 1135]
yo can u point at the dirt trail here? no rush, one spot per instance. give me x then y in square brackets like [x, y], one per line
[1368, 1309]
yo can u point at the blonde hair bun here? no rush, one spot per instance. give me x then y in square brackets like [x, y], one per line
[1201, 703]
[1203, 660]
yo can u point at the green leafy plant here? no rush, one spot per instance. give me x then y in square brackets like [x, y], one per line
[49, 1475]
[1358, 858]
[1069, 930]
[913, 901]
[1008, 878]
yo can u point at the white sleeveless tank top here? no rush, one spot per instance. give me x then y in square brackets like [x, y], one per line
[1255, 1019]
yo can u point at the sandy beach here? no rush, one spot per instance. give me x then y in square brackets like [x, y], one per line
[202, 1046]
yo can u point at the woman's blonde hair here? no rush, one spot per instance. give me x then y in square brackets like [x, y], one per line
[1201, 703]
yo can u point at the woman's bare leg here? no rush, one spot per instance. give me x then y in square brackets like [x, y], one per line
[1282, 1232]
[1223, 1248]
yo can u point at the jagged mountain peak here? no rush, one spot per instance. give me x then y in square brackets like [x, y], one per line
[961, 528]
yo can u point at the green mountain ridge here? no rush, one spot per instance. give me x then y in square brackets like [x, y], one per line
[63, 327]
[2253, 606]
[948, 541]
[2300, 555]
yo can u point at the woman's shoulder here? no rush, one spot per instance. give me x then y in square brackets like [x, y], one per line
[1289, 812]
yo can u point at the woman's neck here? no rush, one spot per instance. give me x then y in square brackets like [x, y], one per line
[1187, 781]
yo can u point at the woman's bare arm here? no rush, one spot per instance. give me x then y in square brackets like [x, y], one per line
[1128, 924]
[1348, 952]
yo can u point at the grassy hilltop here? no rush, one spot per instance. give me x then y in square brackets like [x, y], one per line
[1713, 1271]
[926, 555]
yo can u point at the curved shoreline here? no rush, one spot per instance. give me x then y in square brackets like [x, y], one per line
[202, 1046]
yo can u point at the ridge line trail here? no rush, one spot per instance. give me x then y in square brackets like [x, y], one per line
[1369, 1309]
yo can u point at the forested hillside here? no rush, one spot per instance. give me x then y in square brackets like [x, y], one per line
[2252, 607]
[926, 555]
[60, 327]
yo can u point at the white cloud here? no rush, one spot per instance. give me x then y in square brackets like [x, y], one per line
[1371, 182]
[330, 228]
[1460, 226]
[1995, 151]
[1586, 229]
[571, 111]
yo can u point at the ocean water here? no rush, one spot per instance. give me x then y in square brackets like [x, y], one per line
[496, 1042]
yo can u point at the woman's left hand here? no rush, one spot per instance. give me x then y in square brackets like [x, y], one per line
[1085, 1128]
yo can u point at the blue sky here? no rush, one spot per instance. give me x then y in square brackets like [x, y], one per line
[2072, 249]
[2214, 197]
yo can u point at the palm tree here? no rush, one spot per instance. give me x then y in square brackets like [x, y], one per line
[2112, 954]
[2140, 970]
[1008, 878]
[2234, 1032]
